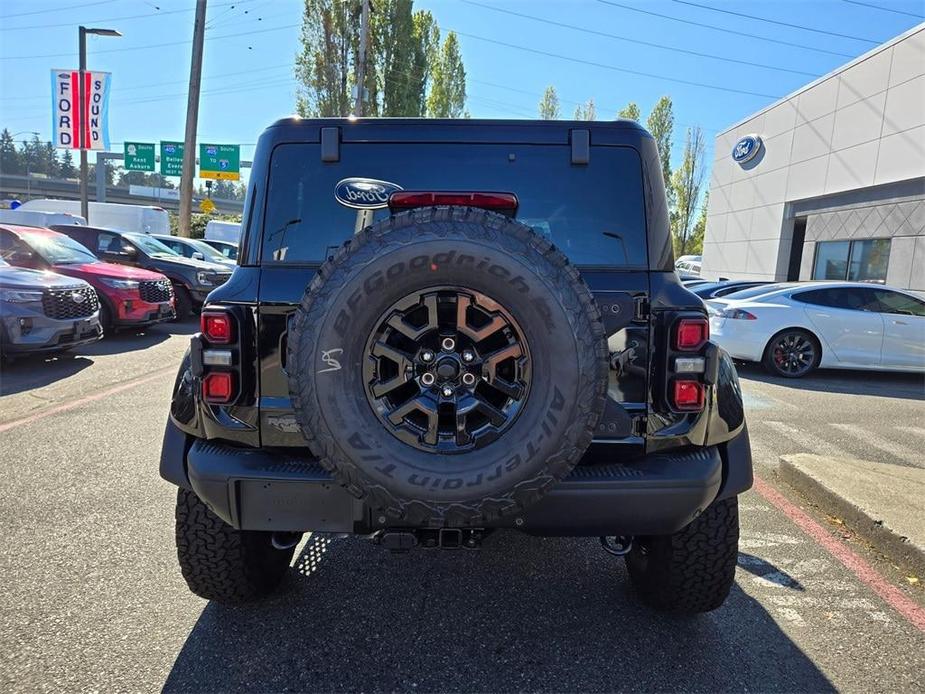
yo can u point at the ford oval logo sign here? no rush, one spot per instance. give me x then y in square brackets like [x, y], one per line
[746, 149]
[364, 193]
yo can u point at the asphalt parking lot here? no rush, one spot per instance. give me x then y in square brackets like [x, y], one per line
[93, 599]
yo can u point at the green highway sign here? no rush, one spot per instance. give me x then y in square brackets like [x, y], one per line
[171, 158]
[139, 156]
[220, 161]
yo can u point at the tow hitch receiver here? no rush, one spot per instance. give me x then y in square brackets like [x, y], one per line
[430, 538]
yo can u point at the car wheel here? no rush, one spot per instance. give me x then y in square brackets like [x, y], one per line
[106, 319]
[692, 570]
[221, 563]
[184, 303]
[792, 353]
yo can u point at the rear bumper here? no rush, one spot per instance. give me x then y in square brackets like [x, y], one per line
[256, 489]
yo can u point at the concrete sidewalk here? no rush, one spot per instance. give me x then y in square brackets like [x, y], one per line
[884, 503]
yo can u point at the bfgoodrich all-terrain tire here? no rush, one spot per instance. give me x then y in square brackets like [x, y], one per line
[692, 570]
[448, 365]
[221, 563]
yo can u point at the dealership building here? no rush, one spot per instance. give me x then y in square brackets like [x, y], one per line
[828, 182]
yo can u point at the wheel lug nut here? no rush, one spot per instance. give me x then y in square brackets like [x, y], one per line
[448, 344]
[468, 379]
[427, 379]
[468, 356]
[427, 356]
[447, 391]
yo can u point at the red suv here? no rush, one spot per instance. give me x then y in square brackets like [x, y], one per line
[129, 297]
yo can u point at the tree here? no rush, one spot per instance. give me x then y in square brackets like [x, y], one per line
[447, 98]
[661, 124]
[630, 111]
[686, 184]
[324, 65]
[695, 245]
[10, 160]
[586, 111]
[405, 43]
[66, 169]
[49, 160]
[549, 104]
[403, 60]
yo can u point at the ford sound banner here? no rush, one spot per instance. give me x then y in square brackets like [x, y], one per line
[73, 129]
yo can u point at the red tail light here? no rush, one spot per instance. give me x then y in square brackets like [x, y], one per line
[691, 334]
[689, 395]
[499, 202]
[218, 387]
[217, 328]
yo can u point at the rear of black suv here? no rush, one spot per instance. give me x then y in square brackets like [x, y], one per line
[440, 329]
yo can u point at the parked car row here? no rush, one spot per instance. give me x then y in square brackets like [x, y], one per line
[793, 328]
[66, 286]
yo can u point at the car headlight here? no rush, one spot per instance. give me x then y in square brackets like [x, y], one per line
[119, 284]
[20, 296]
[205, 278]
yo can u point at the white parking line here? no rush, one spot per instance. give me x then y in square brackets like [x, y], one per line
[884, 444]
[811, 443]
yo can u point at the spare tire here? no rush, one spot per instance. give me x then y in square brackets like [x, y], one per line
[448, 365]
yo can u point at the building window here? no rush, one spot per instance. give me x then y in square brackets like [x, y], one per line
[857, 261]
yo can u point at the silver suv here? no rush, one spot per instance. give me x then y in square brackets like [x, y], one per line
[45, 312]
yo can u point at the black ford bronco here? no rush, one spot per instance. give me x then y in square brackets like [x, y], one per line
[442, 329]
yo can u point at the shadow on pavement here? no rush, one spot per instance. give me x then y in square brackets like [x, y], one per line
[36, 371]
[131, 340]
[888, 385]
[522, 614]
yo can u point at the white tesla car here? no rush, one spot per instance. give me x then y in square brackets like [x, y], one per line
[792, 328]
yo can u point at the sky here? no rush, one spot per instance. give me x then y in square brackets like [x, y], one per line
[613, 51]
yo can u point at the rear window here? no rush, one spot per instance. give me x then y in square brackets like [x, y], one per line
[594, 213]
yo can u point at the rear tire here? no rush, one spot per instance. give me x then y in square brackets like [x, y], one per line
[183, 303]
[792, 353]
[691, 571]
[221, 563]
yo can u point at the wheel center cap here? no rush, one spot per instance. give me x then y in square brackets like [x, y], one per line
[448, 370]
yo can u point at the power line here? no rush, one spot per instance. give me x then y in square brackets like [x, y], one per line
[723, 29]
[885, 9]
[637, 41]
[155, 45]
[615, 68]
[81, 5]
[778, 23]
[109, 19]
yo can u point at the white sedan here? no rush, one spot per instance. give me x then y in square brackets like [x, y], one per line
[792, 328]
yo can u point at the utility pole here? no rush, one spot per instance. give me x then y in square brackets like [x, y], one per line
[192, 120]
[361, 61]
[82, 112]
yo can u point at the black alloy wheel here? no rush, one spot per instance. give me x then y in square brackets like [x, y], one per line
[447, 370]
[792, 354]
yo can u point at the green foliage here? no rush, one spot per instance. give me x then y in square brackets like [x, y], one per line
[549, 104]
[9, 157]
[695, 243]
[585, 111]
[67, 169]
[661, 124]
[447, 97]
[407, 72]
[630, 111]
[686, 185]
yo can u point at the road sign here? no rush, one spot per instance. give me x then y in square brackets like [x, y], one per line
[207, 206]
[139, 156]
[71, 130]
[171, 158]
[220, 161]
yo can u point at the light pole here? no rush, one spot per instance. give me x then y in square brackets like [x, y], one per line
[83, 31]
